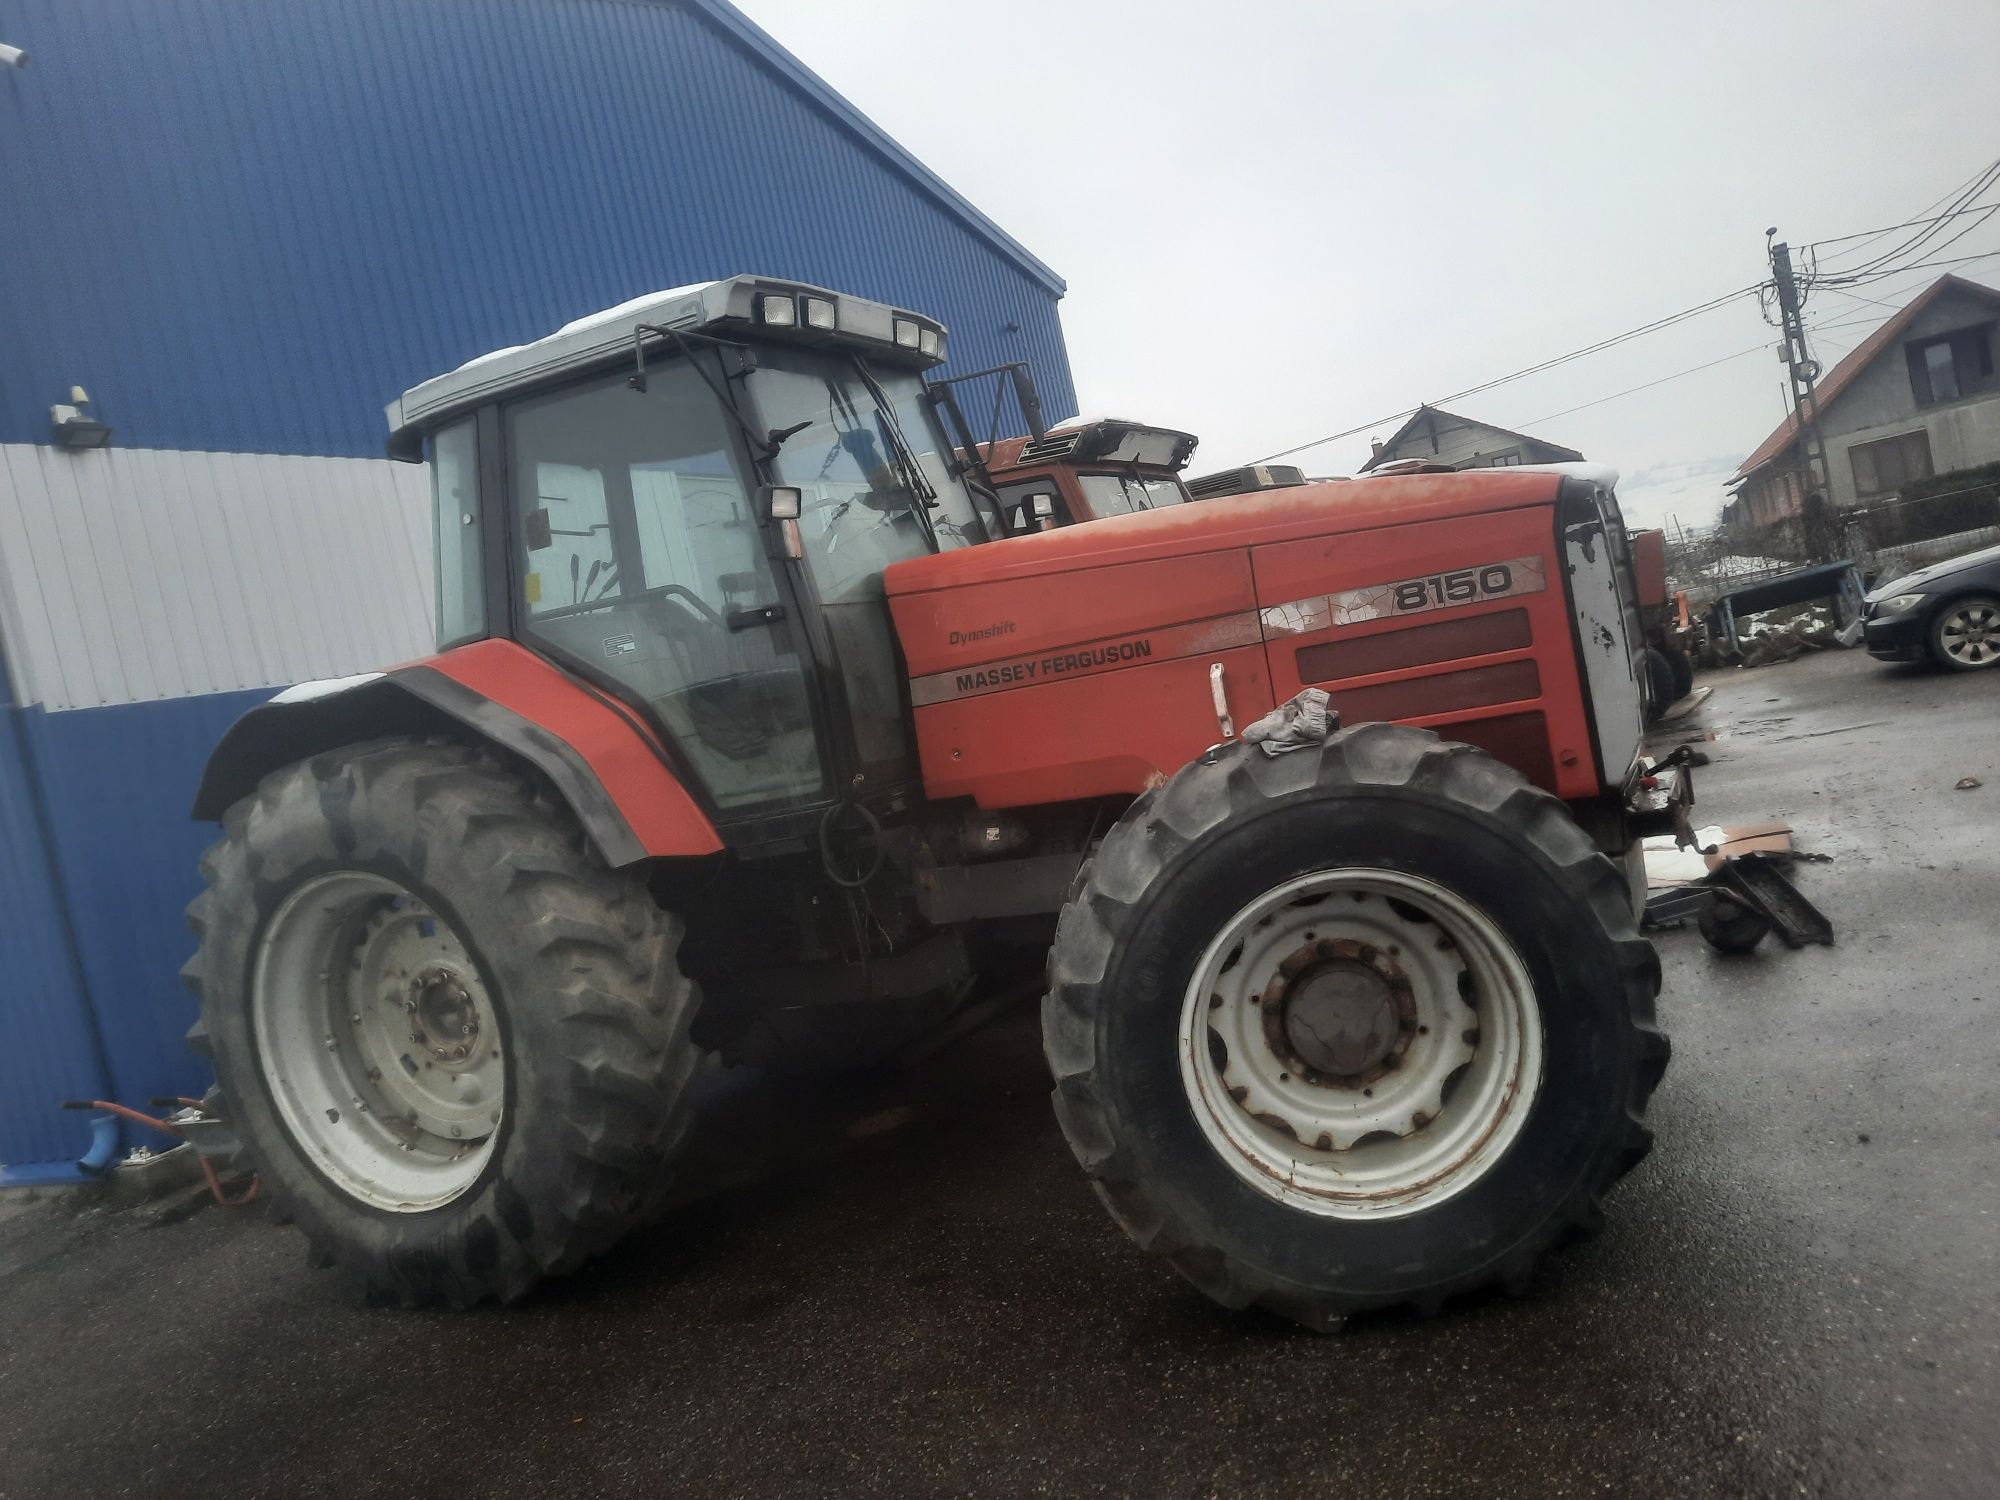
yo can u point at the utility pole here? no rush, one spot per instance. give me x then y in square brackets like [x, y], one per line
[1816, 514]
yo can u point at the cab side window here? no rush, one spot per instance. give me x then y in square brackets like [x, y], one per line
[1017, 505]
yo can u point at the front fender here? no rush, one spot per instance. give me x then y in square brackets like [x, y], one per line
[601, 761]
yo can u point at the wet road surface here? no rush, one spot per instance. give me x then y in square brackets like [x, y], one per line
[915, 1293]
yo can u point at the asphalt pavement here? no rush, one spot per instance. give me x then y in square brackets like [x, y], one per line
[913, 1292]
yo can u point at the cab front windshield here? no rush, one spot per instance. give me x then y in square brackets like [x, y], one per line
[1121, 494]
[867, 457]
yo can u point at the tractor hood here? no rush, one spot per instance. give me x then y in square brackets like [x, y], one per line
[1097, 659]
[1291, 514]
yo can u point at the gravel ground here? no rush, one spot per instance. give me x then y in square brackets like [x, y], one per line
[915, 1293]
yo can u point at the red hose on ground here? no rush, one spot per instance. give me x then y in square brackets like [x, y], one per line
[152, 1122]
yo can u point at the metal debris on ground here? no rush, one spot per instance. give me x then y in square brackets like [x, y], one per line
[1732, 881]
[1682, 707]
[1668, 866]
[1967, 783]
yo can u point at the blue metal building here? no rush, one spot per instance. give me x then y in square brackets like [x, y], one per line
[242, 228]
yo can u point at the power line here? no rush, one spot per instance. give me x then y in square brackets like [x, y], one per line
[1957, 260]
[1876, 234]
[1858, 278]
[1535, 369]
[1958, 197]
[1634, 390]
[1963, 202]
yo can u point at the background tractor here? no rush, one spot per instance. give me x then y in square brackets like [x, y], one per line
[1086, 470]
[756, 729]
[1672, 634]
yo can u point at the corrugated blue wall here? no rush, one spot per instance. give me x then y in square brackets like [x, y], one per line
[245, 225]
[118, 784]
[48, 1049]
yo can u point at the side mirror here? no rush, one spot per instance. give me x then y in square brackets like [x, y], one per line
[1043, 507]
[784, 504]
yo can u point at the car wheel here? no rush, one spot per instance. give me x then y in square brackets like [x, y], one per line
[1965, 636]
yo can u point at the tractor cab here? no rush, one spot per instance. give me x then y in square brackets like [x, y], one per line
[1086, 470]
[688, 502]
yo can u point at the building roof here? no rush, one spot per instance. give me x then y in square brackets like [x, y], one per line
[1382, 454]
[1857, 359]
[761, 44]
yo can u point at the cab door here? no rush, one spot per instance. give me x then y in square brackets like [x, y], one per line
[640, 561]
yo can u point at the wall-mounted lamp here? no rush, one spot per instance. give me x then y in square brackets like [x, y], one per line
[73, 427]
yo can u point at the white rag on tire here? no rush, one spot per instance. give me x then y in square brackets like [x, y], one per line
[1299, 723]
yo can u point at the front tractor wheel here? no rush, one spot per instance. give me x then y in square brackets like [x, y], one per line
[452, 1043]
[1353, 1029]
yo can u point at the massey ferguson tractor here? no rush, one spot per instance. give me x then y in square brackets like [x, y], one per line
[1310, 814]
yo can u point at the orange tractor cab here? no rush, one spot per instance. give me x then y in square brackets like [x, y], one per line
[758, 728]
[1671, 631]
[1085, 470]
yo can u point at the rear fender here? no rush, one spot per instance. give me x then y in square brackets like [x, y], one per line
[600, 760]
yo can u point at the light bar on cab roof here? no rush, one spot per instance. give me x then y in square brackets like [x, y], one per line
[728, 310]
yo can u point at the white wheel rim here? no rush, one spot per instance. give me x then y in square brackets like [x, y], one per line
[1393, 977]
[1971, 634]
[378, 1041]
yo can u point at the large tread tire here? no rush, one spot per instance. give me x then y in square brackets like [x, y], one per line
[1660, 694]
[1237, 823]
[580, 962]
[1681, 666]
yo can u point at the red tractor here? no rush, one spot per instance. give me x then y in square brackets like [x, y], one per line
[735, 742]
[1085, 471]
[1671, 634]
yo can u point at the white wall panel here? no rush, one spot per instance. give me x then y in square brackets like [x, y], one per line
[133, 574]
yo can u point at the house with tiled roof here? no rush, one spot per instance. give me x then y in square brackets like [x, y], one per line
[1918, 397]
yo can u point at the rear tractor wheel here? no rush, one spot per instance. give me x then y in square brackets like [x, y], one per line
[1350, 1030]
[452, 1043]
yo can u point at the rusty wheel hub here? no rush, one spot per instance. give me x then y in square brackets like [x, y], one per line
[1342, 1012]
[444, 1018]
[1360, 1042]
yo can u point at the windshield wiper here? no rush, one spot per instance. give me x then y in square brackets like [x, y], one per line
[923, 495]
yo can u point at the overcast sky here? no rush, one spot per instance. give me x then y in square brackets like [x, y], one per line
[1279, 218]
